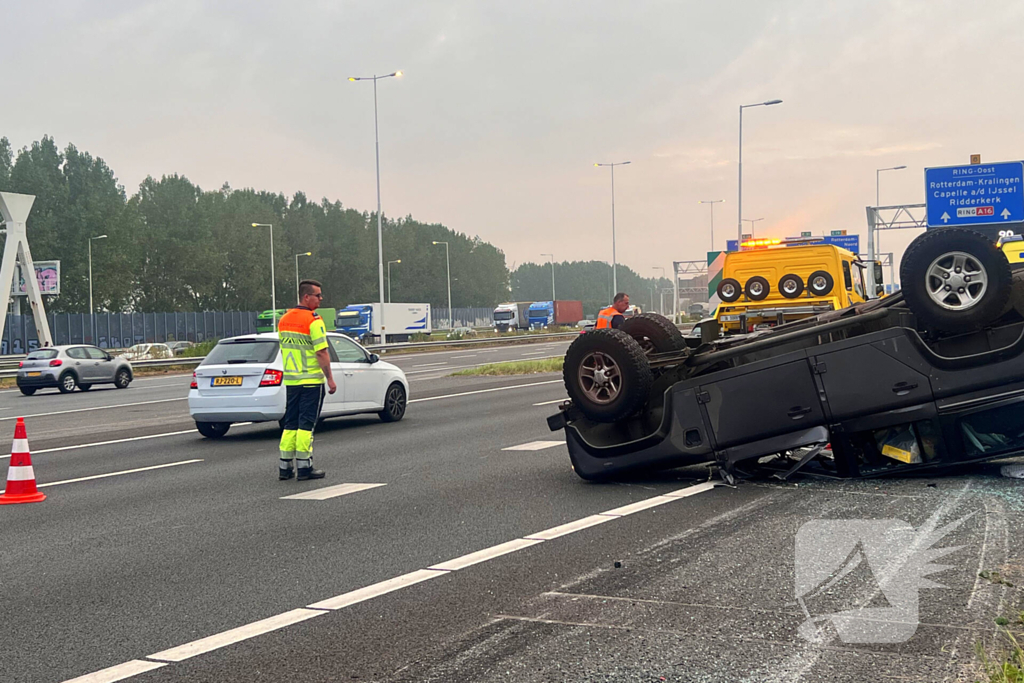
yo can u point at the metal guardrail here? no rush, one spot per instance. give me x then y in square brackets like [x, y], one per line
[196, 360]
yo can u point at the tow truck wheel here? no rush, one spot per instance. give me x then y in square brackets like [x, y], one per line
[729, 290]
[655, 333]
[955, 280]
[758, 288]
[820, 282]
[791, 286]
[606, 375]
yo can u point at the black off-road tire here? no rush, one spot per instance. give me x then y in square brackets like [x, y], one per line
[919, 282]
[727, 285]
[751, 288]
[655, 333]
[791, 286]
[825, 276]
[634, 374]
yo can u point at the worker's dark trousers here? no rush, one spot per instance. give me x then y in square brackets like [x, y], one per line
[302, 408]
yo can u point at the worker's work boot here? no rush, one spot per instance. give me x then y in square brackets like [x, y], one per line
[310, 473]
[285, 473]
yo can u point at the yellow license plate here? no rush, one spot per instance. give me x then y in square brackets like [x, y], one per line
[34, 374]
[227, 382]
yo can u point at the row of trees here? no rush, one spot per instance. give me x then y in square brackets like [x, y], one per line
[173, 246]
[588, 281]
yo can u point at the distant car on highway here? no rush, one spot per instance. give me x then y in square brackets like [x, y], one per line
[586, 325]
[148, 352]
[179, 347]
[70, 367]
[241, 380]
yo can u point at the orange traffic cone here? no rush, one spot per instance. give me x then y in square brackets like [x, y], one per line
[21, 480]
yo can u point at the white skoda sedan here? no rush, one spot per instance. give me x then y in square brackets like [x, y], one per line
[241, 380]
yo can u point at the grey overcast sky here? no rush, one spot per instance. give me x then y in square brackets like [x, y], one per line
[505, 107]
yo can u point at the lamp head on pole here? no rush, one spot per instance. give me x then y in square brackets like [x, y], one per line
[771, 102]
[99, 237]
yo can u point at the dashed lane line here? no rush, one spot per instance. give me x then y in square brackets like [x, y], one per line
[85, 410]
[534, 446]
[273, 623]
[331, 491]
[114, 441]
[483, 391]
[118, 474]
[548, 403]
[427, 365]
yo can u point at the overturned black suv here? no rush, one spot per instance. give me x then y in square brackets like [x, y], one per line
[930, 377]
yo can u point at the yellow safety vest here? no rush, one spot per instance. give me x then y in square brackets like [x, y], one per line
[302, 334]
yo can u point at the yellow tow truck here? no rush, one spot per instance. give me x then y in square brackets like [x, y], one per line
[771, 281]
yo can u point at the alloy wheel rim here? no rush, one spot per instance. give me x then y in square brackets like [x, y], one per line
[600, 378]
[956, 281]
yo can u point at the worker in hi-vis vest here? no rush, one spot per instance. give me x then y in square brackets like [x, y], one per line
[613, 316]
[307, 363]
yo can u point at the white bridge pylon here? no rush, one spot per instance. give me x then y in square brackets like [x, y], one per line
[15, 209]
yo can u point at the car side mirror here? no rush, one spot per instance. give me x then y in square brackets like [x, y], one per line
[374, 358]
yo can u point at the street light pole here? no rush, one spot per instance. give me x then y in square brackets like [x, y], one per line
[298, 299]
[380, 230]
[878, 172]
[552, 258]
[712, 202]
[752, 221]
[448, 264]
[92, 315]
[389, 277]
[662, 297]
[615, 281]
[273, 283]
[739, 202]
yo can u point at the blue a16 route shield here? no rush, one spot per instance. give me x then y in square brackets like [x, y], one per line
[980, 194]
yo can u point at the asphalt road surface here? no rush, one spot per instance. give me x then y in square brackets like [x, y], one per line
[458, 545]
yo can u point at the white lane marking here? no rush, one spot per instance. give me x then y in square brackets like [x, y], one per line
[638, 506]
[691, 490]
[534, 353]
[235, 635]
[534, 446]
[362, 594]
[483, 391]
[118, 673]
[84, 410]
[331, 491]
[113, 441]
[471, 355]
[486, 554]
[557, 400]
[257, 628]
[118, 474]
[427, 365]
[571, 527]
[105, 443]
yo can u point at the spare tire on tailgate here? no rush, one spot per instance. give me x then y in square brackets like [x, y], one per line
[606, 375]
[655, 333]
[955, 279]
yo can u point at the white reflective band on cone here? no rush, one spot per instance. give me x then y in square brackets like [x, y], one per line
[20, 446]
[20, 473]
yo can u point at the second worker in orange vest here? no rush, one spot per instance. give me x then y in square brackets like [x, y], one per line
[613, 316]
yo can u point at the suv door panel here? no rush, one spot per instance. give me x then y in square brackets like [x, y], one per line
[864, 379]
[762, 403]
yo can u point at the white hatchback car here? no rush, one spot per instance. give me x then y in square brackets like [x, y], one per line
[241, 381]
